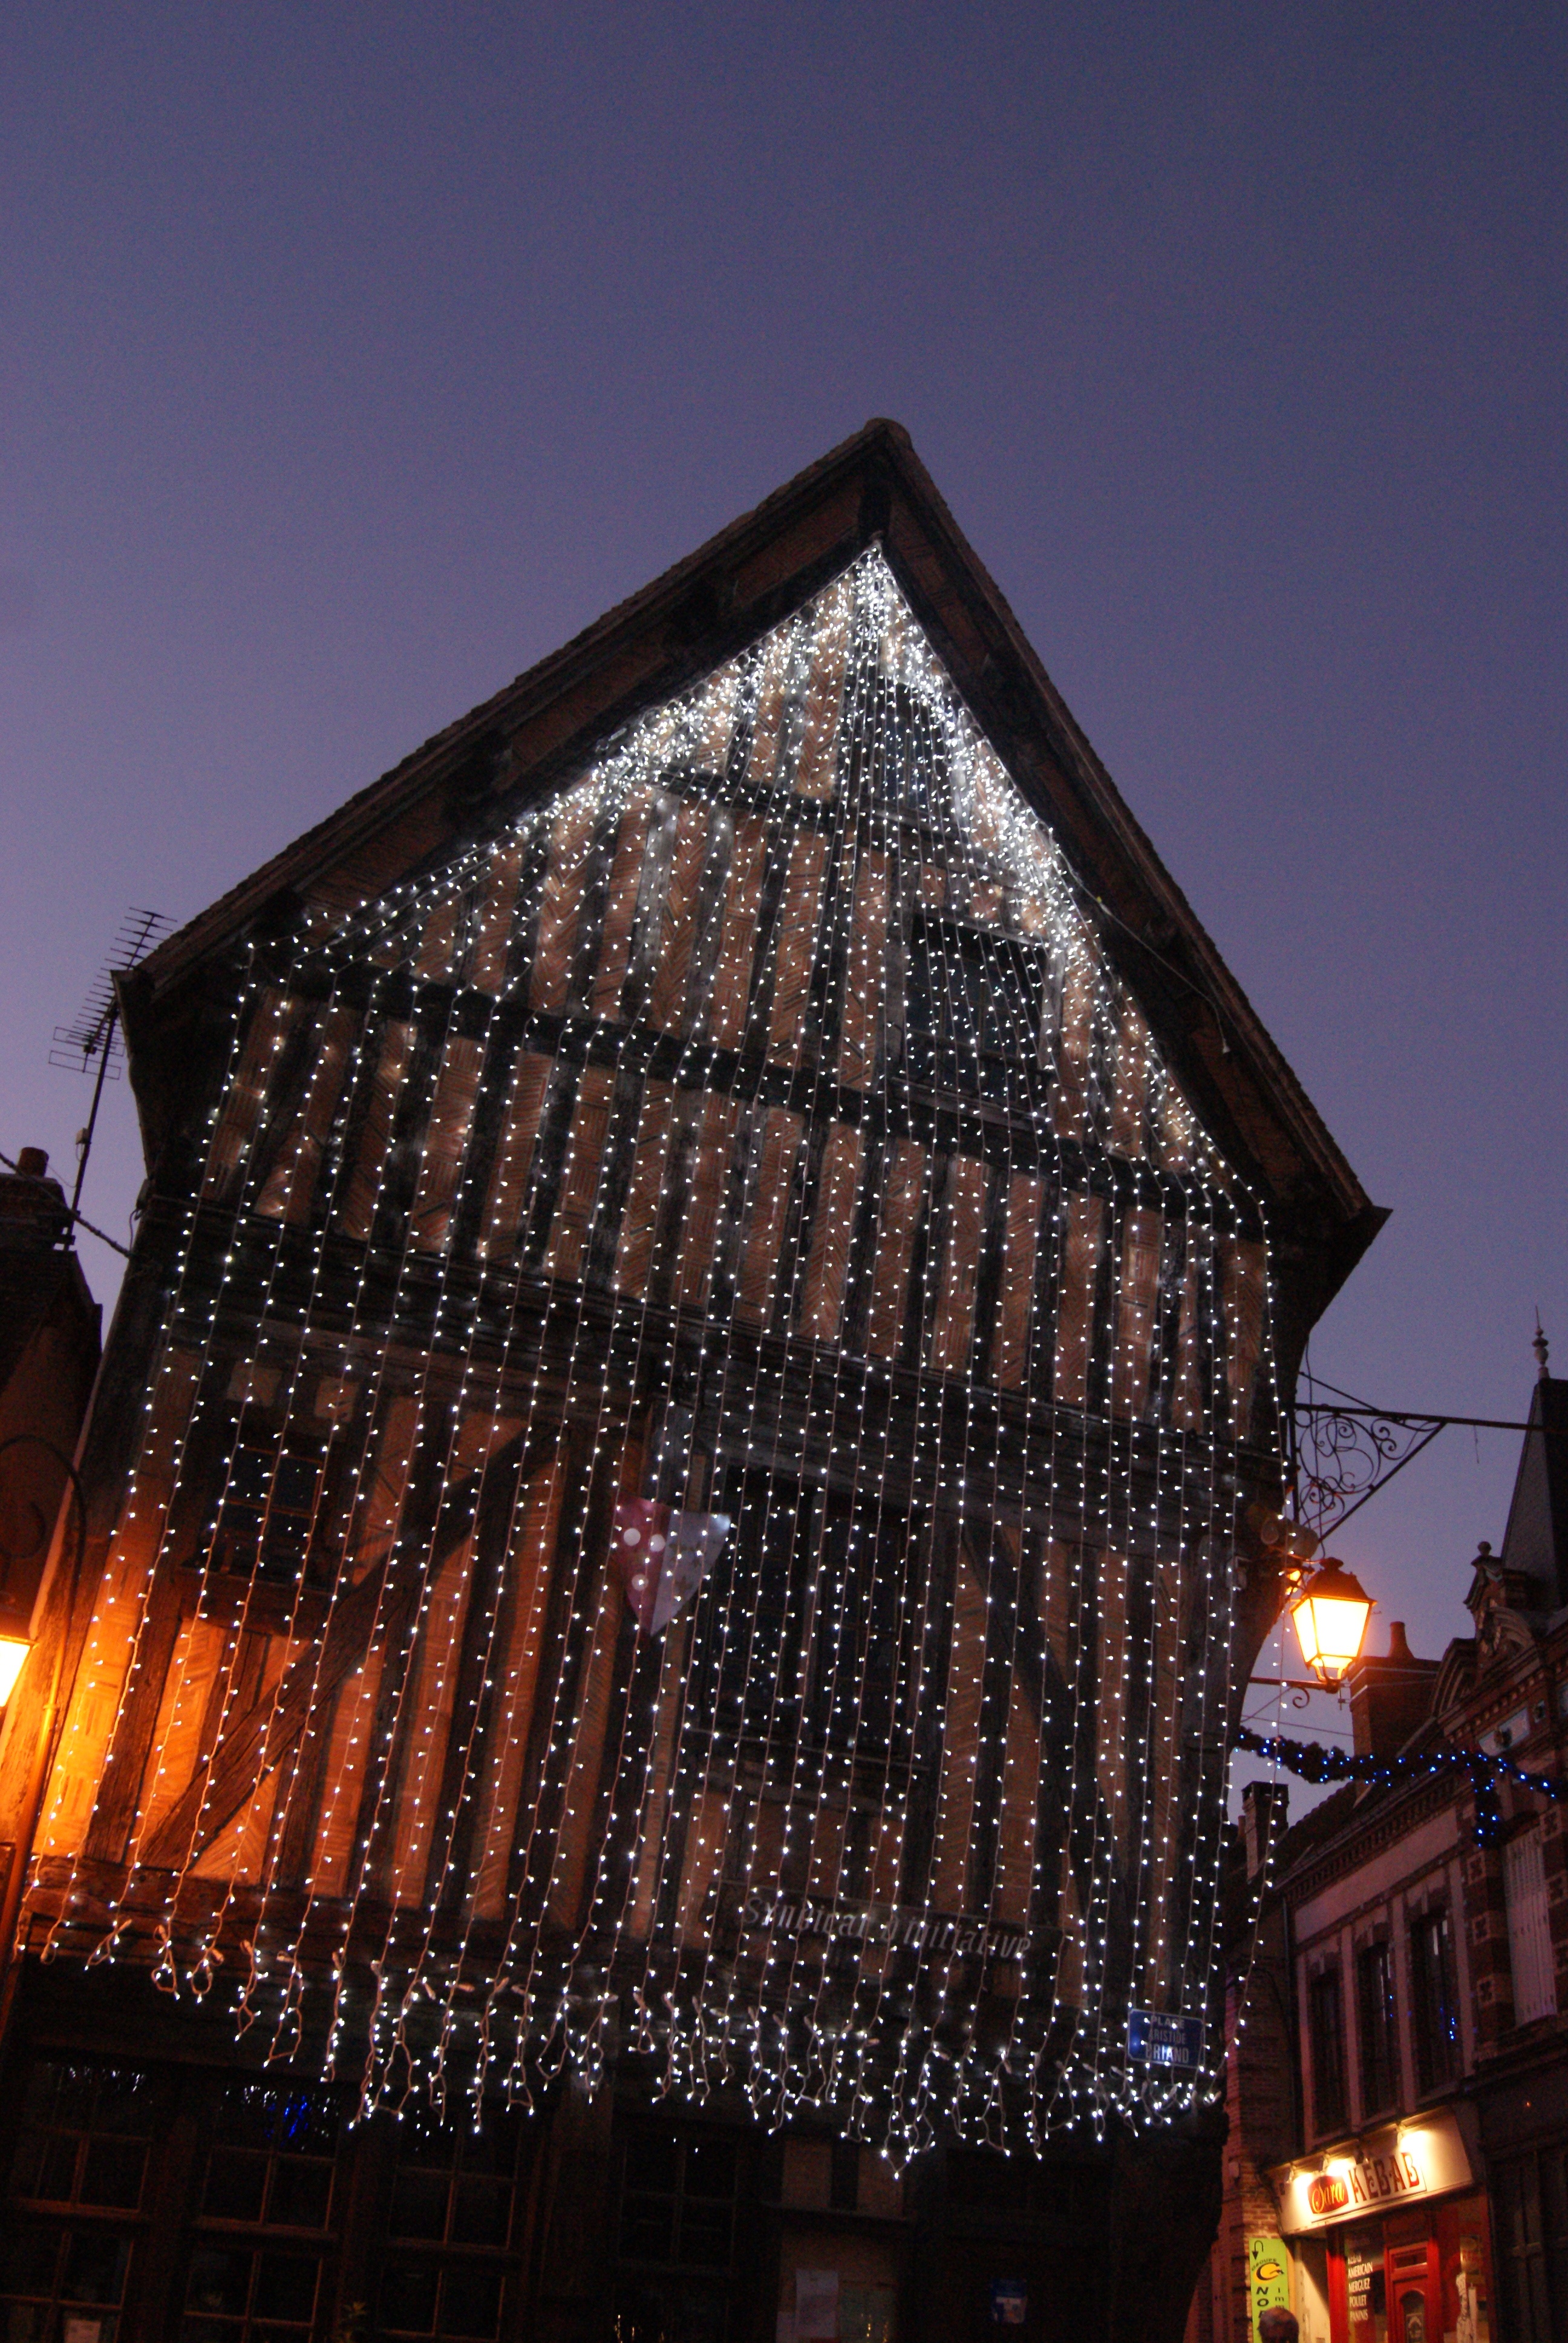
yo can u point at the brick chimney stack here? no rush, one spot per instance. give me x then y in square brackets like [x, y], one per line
[1390, 1697]
[1260, 1801]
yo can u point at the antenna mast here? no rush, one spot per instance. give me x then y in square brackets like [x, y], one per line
[95, 1033]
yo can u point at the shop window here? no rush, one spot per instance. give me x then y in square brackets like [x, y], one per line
[84, 2135]
[83, 2140]
[236, 2294]
[271, 2157]
[1326, 2027]
[1366, 2285]
[1529, 1929]
[55, 2277]
[676, 2234]
[1377, 2028]
[1434, 2000]
[268, 2168]
[450, 2229]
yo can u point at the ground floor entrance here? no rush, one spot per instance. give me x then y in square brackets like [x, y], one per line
[158, 2190]
[1422, 2275]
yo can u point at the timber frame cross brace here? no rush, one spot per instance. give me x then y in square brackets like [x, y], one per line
[262, 1738]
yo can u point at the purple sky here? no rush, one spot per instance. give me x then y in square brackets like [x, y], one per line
[352, 358]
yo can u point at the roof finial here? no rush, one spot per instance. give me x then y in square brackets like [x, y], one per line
[1542, 1348]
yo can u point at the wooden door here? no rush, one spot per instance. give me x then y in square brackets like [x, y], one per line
[1414, 2297]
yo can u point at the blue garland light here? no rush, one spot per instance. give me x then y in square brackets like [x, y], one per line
[1309, 1761]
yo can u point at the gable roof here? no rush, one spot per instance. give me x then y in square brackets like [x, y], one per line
[526, 740]
[1535, 1541]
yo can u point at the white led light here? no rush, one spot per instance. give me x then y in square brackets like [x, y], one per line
[767, 1087]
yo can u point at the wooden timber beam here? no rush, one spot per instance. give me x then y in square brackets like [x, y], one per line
[258, 1741]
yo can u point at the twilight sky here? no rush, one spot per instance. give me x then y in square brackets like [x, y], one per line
[351, 358]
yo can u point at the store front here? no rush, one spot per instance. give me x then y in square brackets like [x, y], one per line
[1389, 2235]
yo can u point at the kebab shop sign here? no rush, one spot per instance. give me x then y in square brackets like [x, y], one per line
[1382, 2169]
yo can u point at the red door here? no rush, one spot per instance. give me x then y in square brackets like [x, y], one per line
[1414, 2295]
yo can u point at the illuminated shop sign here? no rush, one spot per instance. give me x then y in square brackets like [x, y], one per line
[1389, 2167]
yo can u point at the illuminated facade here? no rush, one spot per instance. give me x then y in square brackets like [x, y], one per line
[676, 1530]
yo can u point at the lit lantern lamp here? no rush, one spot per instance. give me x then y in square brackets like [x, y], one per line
[1330, 1614]
[14, 1650]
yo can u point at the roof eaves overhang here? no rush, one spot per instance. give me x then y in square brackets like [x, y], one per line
[530, 738]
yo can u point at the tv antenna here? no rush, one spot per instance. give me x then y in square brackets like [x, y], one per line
[92, 1042]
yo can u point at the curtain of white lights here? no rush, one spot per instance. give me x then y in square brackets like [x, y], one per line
[686, 1499]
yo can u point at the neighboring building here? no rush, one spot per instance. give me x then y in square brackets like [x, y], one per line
[675, 1498]
[49, 1329]
[1426, 2193]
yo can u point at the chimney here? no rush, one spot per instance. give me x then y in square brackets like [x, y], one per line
[1390, 1698]
[1260, 1801]
[34, 1214]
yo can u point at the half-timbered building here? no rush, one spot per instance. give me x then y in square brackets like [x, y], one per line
[678, 1498]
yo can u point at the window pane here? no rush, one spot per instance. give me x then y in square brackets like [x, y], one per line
[408, 2293]
[301, 2193]
[705, 2234]
[1434, 2004]
[247, 2117]
[1375, 2026]
[481, 2212]
[308, 2123]
[219, 2281]
[649, 2161]
[710, 2168]
[647, 2228]
[1529, 1929]
[96, 2268]
[285, 2287]
[46, 2166]
[111, 2172]
[235, 2185]
[470, 2301]
[27, 2322]
[1326, 2027]
[27, 2260]
[124, 2102]
[420, 2204]
[661, 2310]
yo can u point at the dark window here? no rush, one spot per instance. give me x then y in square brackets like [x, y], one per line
[1326, 2019]
[237, 2294]
[51, 2272]
[844, 2184]
[84, 2135]
[269, 2169]
[1377, 2028]
[449, 2228]
[267, 1515]
[271, 2157]
[975, 1008]
[1530, 2216]
[676, 2233]
[1435, 2003]
[83, 2138]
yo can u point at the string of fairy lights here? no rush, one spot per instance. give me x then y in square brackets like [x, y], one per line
[752, 1138]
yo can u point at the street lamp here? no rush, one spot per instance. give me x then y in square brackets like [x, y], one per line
[1330, 1614]
[14, 1650]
